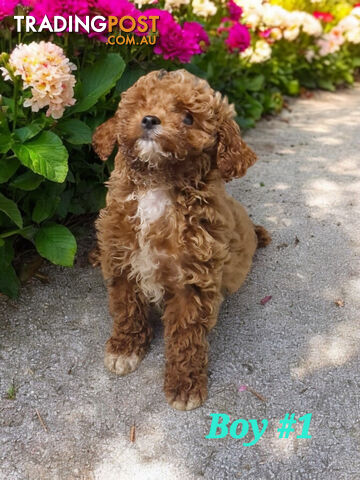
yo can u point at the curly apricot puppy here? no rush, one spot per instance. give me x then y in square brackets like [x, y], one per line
[170, 234]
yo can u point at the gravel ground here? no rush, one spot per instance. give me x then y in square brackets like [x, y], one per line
[71, 419]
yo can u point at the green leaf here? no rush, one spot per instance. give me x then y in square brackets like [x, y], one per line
[326, 84]
[28, 232]
[128, 78]
[75, 131]
[57, 244]
[44, 208]
[11, 210]
[254, 84]
[5, 142]
[98, 79]
[27, 181]
[6, 253]
[293, 87]
[25, 133]
[9, 282]
[5, 135]
[8, 167]
[45, 155]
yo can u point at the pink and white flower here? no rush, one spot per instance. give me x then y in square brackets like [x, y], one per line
[44, 69]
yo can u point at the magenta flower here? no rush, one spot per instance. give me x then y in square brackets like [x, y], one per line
[7, 8]
[234, 10]
[175, 42]
[238, 39]
[197, 31]
[117, 8]
[265, 33]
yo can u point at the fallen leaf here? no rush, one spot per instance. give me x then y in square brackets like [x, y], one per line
[340, 303]
[264, 300]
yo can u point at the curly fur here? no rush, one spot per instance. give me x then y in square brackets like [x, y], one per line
[170, 234]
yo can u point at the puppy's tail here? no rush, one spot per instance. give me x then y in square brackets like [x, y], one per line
[263, 236]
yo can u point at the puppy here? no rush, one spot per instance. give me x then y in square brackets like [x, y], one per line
[169, 234]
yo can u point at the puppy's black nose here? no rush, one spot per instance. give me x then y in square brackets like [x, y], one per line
[150, 121]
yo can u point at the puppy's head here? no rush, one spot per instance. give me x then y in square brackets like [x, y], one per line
[168, 118]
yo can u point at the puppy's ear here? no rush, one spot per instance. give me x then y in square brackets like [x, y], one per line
[104, 138]
[234, 157]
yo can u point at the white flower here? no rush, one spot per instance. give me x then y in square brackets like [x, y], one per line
[204, 8]
[311, 25]
[265, 15]
[291, 33]
[171, 5]
[353, 36]
[252, 11]
[309, 55]
[5, 73]
[141, 3]
[349, 23]
[253, 19]
[259, 54]
[293, 19]
[273, 15]
[356, 12]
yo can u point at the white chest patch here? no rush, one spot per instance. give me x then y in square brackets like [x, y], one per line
[152, 205]
[145, 261]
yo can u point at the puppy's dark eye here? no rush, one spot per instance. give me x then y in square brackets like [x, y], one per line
[188, 120]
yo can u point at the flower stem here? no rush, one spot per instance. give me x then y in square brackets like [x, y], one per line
[15, 97]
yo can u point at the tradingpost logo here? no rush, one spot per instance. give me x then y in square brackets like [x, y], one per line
[126, 30]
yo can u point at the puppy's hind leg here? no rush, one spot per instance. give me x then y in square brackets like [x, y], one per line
[263, 236]
[131, 331]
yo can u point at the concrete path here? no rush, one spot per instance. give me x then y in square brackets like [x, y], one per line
[300, 351]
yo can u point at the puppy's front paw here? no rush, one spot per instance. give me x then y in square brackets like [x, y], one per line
[185, 398]
[187, 402]
[121, 364]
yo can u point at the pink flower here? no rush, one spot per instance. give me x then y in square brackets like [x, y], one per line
[7, 8]
[175, 42]
[265, 33]
[238, 39]
[234, 10]
[197, 31]
[82, 8]
[326, 17]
